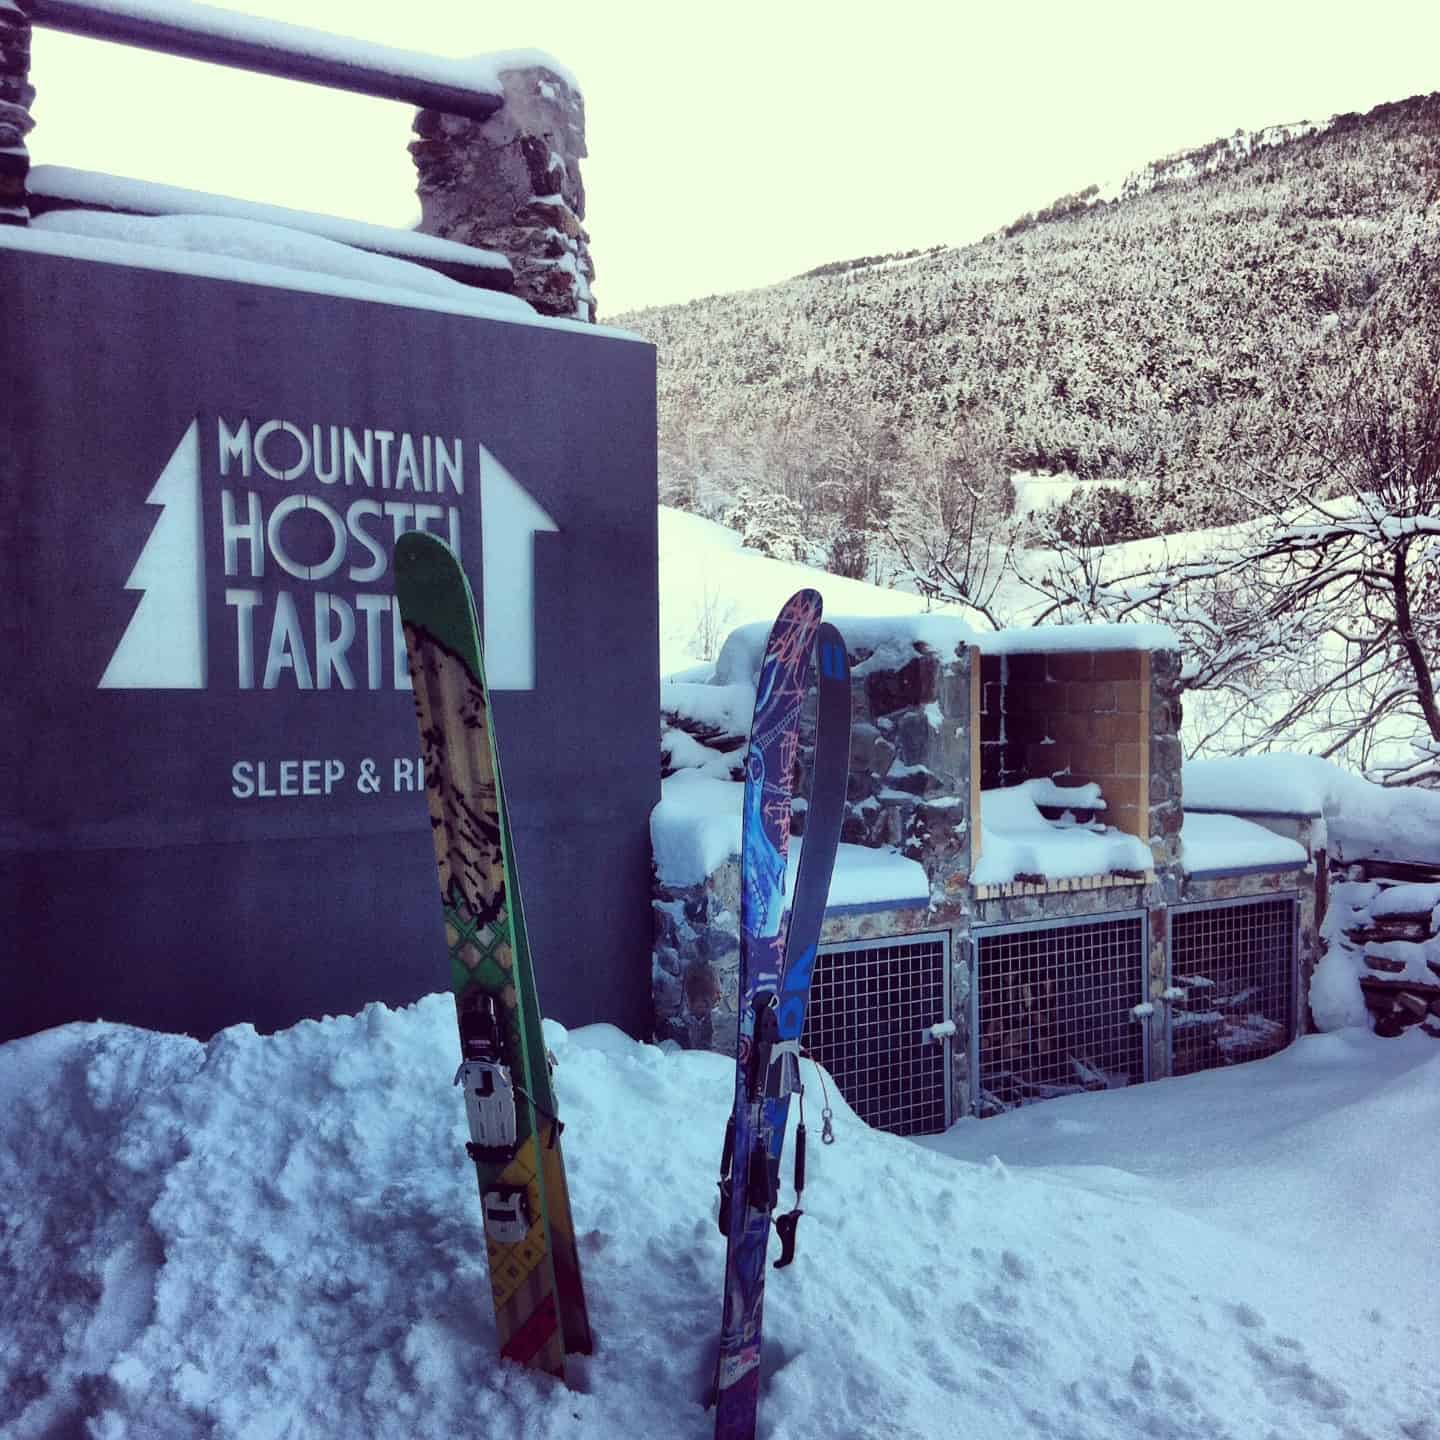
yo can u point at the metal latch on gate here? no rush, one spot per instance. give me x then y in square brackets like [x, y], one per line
[941, 1031]
[489, 1109]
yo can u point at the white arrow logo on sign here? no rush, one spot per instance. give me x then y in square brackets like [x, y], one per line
[511, 519]
[163, 646]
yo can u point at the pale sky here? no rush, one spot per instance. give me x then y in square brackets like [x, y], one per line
[735, 144]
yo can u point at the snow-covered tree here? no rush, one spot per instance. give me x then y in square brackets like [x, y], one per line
[1316, 623]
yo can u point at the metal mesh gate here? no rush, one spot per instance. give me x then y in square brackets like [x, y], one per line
[1233, 964]
[1052, 1010]
[872, 1004]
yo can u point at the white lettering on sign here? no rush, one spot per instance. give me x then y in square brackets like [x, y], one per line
[291, 779]
[335, 637]
[274, 779]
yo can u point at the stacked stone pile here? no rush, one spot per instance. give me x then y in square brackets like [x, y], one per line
[512, 183]
[1395, 929]
[16, 97]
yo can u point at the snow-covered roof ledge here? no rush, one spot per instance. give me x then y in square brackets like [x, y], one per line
[875, 642]
[246, 252]
[695, 830]
[1054, 639]
[1212, 844]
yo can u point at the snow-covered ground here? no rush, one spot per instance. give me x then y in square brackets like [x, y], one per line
[279, 1237]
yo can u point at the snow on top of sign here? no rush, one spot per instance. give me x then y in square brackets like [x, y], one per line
[1226, 842]
[249, 252]
[478, 72]
[1052, 639]
[1017, 839]
[696, 827]
[145, 197]
[275, 245]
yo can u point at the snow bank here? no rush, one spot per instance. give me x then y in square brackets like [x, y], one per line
[695, 828]
[1016, 839]
[1226, 842]
[279, 1237]
[710, 584]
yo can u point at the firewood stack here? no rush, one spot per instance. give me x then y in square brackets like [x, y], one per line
[1398, 937]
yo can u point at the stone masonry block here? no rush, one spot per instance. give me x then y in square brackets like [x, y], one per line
[1073, 665]
[1118, 665]
[1090, 697]
[1131, 698]
[1045, 760]
[1127, 759]
[1117, 727]
[1022, 671]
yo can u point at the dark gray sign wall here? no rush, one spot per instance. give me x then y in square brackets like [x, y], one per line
[211, 803]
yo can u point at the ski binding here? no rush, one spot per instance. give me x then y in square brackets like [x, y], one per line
[507, 1213]
[489, 1109]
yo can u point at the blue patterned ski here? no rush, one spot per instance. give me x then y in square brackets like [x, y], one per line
[824, 813]
[747, 1187]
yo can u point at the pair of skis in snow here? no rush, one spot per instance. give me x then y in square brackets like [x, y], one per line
[777, 959]
[510, 1105]
[540, 1312]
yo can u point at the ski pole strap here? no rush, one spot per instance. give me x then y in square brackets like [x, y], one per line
[727, 1156]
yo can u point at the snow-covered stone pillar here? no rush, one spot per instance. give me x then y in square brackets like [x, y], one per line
[512, 183]
[16, 97]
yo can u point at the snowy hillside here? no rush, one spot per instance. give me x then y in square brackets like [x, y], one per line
[710, 584]
[279, 1237]
[1179, 338]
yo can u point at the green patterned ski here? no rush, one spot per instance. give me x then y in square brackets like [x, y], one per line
[509, 1100]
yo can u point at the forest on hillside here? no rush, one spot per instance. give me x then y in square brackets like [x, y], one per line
[1247, 336]
[1175, 339]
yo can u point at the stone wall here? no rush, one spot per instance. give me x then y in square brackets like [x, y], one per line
[926, 727]
[16, 97]
[913, 761]
[512, 183]
[1390, 920]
